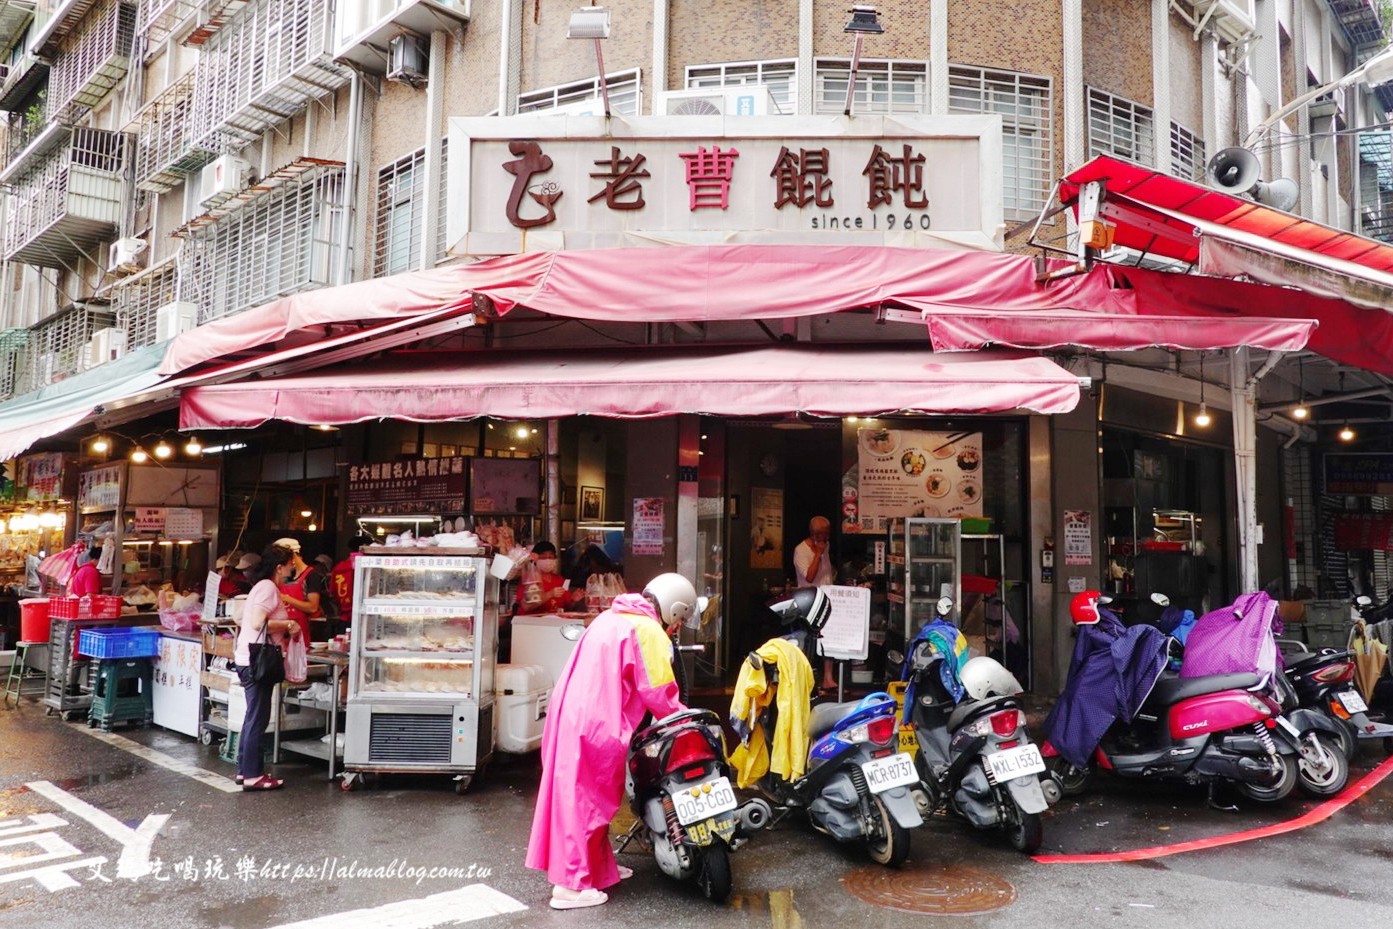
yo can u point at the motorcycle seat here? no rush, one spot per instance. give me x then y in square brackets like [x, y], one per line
[974, 708]
[1171, 690]
[826, 715]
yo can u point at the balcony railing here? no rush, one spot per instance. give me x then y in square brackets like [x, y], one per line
[14, 17]
[12, 342]
[69, 200]
[94, 57]
[263, 67]
[165, 152]
[57, 347]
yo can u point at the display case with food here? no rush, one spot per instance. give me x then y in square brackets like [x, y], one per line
[422, 661]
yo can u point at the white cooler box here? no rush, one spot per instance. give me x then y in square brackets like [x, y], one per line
[522, 693]
[540, 640]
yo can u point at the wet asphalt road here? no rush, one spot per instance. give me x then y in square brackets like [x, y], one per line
[1337, 873]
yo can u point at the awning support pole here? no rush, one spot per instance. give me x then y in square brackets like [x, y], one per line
[553, 471]
[1243, 391]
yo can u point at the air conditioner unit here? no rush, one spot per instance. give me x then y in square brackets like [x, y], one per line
[407, 60]
[737, 100]
[45, 366]
[126, 256]
[222, 178]
[105, 345]
[175, 318]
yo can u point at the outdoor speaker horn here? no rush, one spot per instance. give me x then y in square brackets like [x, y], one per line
[1280, 194]
[1234, 170]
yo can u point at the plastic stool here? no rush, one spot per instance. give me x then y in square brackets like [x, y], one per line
[21, 672]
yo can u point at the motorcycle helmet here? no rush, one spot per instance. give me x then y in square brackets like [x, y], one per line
[1083, 608]
[674, 596]
[984, 677]
[808, 605]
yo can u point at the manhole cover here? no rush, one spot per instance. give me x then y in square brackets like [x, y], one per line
[945, 889]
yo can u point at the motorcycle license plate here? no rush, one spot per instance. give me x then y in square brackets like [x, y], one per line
[884, 774]
[1352, 701]
[1015, 762]
[704, 800]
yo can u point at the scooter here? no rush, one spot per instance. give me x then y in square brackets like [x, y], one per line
[976, 756]
[856, 785]
[1324, 683]
[679, 788]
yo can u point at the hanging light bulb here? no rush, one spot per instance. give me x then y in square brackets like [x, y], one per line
[522, 432]
[101, 445]
[140, 456]
[1202, 418]
[1300, 412]
[163, 450]
[1346, 434]
[313, 528]
[193, 448]
[307, 513]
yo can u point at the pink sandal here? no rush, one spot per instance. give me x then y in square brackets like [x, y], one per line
[264, 782]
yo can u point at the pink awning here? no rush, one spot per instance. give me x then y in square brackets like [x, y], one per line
[824, 381]
[748, 282]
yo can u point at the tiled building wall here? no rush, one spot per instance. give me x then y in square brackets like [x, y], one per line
[1117, 43]
[701, 32]
[549, 58]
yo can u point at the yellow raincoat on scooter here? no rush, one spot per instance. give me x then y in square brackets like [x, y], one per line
[752, 758]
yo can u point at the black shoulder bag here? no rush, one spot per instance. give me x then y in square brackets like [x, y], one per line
[267, 665]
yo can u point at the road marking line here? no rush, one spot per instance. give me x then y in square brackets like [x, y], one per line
[477, 901]
[157, 757]
[135, 843]
[1310, 818]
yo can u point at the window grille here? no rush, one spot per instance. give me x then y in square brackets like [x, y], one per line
[165, 153]
[69, 201]
[284, 242]
[1120, 127]
[57, 347]
[1187, 153]
[779, 76]
[881, 86]
[265, 65]
[1376, 184]
[136, 300]
[159, 17]
[94, 58]
[401, 207]
[442, 217]
[1026, 105]
[623, 94]
[12, 342]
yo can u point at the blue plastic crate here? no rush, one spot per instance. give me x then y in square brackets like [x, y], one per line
[119, 643]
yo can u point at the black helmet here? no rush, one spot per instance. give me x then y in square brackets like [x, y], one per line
[807, 606]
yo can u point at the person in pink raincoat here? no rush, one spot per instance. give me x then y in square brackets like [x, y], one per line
[620, 670]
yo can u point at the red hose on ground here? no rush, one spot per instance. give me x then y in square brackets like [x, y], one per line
[1319, 814]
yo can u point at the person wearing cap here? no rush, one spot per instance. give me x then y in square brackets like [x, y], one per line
[233, 583]
[302, 592]
[247, 564]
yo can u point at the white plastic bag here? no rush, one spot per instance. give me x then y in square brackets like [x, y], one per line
[297, 666]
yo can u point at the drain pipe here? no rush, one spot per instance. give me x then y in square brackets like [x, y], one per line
[350, 179]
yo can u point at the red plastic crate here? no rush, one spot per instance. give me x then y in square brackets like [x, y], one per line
[98, 606]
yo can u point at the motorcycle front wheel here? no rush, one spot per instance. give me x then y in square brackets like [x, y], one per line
[891, 846]
[713, 876]
[1327, 774]
[1278, 791]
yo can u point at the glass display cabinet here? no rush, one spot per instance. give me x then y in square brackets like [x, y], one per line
[421, 663]
[933, 567]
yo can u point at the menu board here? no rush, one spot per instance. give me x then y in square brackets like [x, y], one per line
[388, 488]
[99, 488]
[902, 473]
[40, 477]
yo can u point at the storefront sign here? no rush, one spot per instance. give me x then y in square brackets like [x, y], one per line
[906, 472]
[149, 518]
[176, 693]
[550, 181]
[183, 523]
[40, 477]
[99, 488]
[505, 485]
[1357, 474]
[1078, 537]
[847, 635]
[435, 485]
[648, 526]
[767, 528]
[1355, 532]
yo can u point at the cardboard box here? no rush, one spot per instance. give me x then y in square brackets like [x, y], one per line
[215, 643]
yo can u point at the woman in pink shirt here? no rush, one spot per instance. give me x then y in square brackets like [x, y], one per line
[263, 613]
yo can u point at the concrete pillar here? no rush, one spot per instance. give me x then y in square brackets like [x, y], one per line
[1075, 475]
[1161, 81]
[1075, 102]
[806, 104]
[938, 57]
[1243, 395]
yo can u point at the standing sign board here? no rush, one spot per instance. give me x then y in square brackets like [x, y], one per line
[847, 635]
[177, 693]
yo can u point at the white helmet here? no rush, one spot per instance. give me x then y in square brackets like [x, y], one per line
[984, 677]
[674, 596]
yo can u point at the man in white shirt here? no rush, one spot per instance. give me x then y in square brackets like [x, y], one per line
[812, 566]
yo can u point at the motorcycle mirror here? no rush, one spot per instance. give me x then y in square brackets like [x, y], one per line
[1161, 600]
[944, 606]
[894, 657]
[573, 631]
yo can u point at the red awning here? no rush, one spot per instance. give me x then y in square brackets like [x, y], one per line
[749, 282]
[824, 381]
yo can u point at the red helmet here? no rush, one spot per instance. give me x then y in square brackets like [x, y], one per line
[1084, 607]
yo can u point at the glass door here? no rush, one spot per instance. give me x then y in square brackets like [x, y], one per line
[933, 560]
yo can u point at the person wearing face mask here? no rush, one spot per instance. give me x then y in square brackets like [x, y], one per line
[264, 619]
[542, 590]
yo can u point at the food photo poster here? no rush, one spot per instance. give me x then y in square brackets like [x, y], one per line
[903, 473]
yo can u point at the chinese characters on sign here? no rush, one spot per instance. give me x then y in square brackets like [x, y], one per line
[907, 472]
[1078, 537]
[100, 488]
[800, 179]
[434, 485]
[648, 526]
[41, 476]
